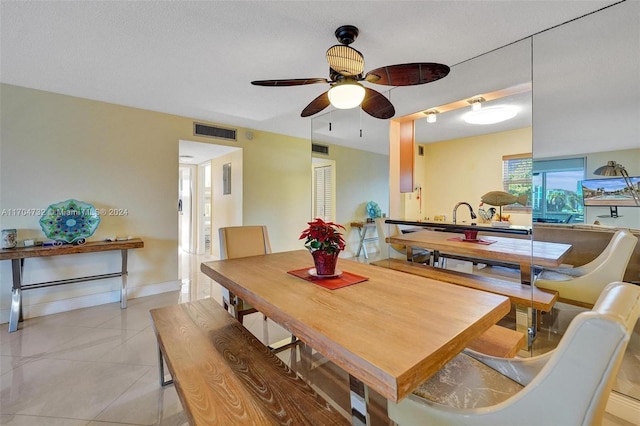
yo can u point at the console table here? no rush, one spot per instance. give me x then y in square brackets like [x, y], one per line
[362, 233]
[18, 255]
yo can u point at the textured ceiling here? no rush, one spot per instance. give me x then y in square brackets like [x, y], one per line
[196, 59]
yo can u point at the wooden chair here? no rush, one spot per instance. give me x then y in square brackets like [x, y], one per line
[582, 285]
[241, 241]
[569, 385]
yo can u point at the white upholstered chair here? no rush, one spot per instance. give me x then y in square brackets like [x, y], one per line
[582, 285]
[569, 385]
[241, 241]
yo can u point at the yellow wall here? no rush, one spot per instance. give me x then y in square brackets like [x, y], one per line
[56, 147]
[226, 209]
[463, 170]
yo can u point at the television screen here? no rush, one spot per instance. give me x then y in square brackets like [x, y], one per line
[609, 192]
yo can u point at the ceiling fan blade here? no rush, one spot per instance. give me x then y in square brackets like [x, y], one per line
[289, 82]
[377, 105]
[316, 105]
[408, 74]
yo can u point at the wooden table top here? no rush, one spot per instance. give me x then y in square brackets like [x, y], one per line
[391, 332]
[515, 250]
[93, 246]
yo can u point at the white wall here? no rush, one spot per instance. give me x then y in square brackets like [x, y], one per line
[586, 84]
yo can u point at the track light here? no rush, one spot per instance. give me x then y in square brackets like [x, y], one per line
[431, 116]
[476, 103]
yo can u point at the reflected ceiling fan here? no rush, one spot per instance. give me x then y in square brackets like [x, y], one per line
[346, 68]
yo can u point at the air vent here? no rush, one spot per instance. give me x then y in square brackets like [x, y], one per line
[214, 132]
[320, 149]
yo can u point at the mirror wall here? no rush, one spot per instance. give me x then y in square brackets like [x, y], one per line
[585, 103]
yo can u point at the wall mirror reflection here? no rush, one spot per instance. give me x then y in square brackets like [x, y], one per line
[580, 117]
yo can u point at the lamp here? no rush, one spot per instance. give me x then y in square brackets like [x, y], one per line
[346, 94]
[614, 169]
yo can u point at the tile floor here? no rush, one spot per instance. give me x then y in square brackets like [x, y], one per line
[98, 366]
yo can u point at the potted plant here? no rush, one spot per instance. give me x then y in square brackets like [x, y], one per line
[325, 242]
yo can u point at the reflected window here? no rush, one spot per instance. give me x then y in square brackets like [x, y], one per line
[557, 193]
[516, 179]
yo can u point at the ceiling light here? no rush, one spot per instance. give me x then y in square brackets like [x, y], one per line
[346, 94]
[491, 115]
[476, 103]
[431, 116]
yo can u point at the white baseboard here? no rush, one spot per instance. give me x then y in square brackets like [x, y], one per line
[64, 305]
[624, 407]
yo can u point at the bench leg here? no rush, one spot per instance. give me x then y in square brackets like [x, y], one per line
[163, 382]
[283, 344]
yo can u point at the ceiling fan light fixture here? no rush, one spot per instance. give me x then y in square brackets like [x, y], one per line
[491, 115]
[346, 95]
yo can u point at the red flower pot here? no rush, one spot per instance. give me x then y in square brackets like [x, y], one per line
[325, 262]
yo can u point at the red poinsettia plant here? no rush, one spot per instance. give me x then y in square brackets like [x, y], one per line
[324, 236]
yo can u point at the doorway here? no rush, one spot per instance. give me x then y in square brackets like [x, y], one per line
[203, 206]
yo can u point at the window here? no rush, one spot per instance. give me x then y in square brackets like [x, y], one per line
[557, 193]
[516, 179]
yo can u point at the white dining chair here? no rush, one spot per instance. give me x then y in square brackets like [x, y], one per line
[582, 285]
[569, 385]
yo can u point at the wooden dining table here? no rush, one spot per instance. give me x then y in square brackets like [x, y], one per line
[522, 252]
[390, 332]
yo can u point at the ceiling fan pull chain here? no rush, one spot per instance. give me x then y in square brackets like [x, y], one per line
[360, 122]
[330, 115]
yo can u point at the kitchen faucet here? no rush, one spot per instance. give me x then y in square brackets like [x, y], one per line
[455, 209]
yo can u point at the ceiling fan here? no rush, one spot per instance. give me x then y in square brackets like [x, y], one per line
[346, 68]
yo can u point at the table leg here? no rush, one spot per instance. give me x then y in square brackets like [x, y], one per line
[362, 232]
[359, 396]
[15, 314]
[125, 273]
[527, 323]
[525, 273]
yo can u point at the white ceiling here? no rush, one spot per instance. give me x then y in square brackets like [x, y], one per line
[196, 59]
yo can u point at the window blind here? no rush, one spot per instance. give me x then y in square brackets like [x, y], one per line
[323, 205]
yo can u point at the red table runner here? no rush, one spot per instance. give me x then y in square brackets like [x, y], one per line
[346, 279]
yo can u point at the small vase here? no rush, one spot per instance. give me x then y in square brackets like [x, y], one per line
[325, 262]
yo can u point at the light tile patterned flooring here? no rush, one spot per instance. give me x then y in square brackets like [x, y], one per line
[98, 366]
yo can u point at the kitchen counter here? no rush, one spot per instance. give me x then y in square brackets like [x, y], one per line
[461, 227]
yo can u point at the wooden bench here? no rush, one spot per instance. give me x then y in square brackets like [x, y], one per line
[498, 341]
[224, 376]
[520, 294]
